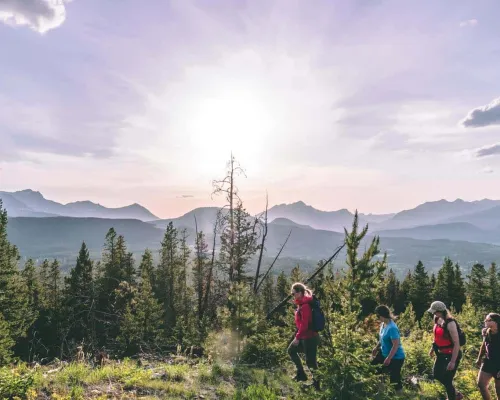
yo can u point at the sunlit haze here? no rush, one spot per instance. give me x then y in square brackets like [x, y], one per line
[377, 105]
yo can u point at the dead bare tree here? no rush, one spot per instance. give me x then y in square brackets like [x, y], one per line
[228, 187]
[262, 246]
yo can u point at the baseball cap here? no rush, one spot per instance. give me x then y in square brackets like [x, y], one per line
[437, 306]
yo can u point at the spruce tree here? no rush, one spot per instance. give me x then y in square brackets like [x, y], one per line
[420, 291]
[493, 293]
[477, 286]
[390, 290]
[80, 300]
[443, 291]
[13, 292]
[167, 276]
[140, 324]
[404, 293]
[363, 274]
[458, 295]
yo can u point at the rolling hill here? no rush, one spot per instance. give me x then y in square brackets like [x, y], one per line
[29, 203]
[61, 237]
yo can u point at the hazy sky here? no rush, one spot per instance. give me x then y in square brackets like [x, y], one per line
[370, 104]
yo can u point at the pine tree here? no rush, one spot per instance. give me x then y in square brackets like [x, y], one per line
[404, 293]
[27, 347]
[200, 275]
[420, 291]
[443, 291]
[80, 300]
[140, 325]
[493, 293]
[6, 341]
[390, 294]
[167, 276]
[13, 292]
[477, 286]
[268, 294]
[458, 289]
[296, 275]
[363, 274]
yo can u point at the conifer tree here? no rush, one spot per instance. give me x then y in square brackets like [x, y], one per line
[363, 273]
[443, 291]
[458, 295]
[15, 316]
[420, 291]
[493, 293]
[390, 289]
[200, 275]
[404, 293]
[477, 286]
[140, 325]
[80, 300]
[167, 276]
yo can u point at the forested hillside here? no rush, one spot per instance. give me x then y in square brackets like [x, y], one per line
[197, 322]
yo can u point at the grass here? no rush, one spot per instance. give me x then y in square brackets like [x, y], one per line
[176, 380]
[128, 380]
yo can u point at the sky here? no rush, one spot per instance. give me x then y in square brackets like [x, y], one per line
[375, 105]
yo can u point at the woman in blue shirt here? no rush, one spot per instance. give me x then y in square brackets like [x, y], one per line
[389, 353]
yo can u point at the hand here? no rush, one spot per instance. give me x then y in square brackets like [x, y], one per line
[431, 353]
[387, 361]
[295, 342]
[374, 352]
[484, 331]
[478, 363]
[451, 366]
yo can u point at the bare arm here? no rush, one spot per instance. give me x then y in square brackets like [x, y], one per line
[452, 329]
[395, 346]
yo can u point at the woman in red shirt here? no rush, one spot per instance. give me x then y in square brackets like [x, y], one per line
[446, 347]
[306, 340]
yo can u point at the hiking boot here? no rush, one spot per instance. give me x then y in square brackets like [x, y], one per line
[300, 376]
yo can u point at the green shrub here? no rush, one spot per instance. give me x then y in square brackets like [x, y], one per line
[15, 383]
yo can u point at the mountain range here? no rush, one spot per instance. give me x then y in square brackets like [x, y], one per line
[29, 203]
[467, 232]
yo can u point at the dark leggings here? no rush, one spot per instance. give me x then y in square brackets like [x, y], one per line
[310, 348]
[393, 369]
[444, 376]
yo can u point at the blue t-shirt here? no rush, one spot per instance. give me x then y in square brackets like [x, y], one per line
[388, 333]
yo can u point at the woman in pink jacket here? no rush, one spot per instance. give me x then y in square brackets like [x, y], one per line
[306, 340]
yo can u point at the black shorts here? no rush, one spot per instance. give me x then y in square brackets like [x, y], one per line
[490, 367]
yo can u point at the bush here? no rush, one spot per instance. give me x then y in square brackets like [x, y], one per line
[15, 383]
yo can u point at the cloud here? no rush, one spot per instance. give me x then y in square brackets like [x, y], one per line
[486, 151]
[185, 196]
[483, 116]
[39, 15]
[470, 22]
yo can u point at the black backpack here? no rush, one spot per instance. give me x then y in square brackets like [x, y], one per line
[461, 334]
[318, 316]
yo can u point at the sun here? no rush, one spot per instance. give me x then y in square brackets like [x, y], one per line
[240, 122]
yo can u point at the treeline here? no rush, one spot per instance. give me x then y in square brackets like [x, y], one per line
[449, 286]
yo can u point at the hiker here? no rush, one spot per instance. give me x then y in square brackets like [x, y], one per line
[389, 353]
[446, 348]
[490, 366]
[306, 340]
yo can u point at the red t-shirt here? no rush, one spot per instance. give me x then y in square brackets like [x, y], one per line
[442, 339]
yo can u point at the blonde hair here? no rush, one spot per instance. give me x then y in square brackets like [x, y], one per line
[300, 287]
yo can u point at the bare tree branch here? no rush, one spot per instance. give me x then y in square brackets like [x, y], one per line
[262, 246]
[275, 259]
